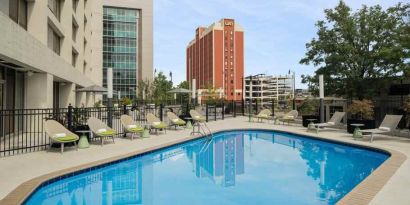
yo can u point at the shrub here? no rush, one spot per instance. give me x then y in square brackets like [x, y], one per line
[309, 107]
[361, 109]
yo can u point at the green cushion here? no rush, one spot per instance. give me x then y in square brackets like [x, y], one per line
[107, 133]
[180, 122]
[160, 126]
[199, 119]
[136, 129]
[67, 138]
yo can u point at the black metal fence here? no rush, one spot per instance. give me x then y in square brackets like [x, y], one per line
[22, 131]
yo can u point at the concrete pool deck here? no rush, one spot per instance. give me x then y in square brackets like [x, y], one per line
[16, 171]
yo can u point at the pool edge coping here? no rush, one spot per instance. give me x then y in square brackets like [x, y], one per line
[361, 194]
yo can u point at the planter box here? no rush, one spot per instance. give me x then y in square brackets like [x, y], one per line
[368, 124]
[305, 122]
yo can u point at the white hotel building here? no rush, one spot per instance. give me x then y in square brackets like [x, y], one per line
[51, 48]
[266, 88]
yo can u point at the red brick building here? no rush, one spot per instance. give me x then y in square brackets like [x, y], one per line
[215, 58]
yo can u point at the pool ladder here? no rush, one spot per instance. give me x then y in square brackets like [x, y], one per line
[205, 131]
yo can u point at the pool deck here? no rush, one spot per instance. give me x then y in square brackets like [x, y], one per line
[388, 185]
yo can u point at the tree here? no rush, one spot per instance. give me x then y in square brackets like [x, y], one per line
[358, 52]
[145, 87]
[161, 88]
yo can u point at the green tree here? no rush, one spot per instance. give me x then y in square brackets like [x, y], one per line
[357, 52]
[145, 87]
[161, 87]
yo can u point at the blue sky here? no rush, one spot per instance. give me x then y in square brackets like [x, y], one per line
[276, 31]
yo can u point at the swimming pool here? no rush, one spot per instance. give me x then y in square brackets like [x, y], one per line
[236, 167]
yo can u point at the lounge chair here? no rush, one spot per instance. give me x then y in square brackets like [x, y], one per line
[155, 123]
[130, 126]
[389, 124]
[59, 134]
[100, 129]
[289, 117]
[175, 120]
[196, 117]
[333, 121]
[264, 114]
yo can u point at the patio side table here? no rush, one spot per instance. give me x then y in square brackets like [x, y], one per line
[357, 133]
[83, 142]
[188, 122]
[145, 133]
[311, 125]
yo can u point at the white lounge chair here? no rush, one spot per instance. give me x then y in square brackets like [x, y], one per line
[389, 124]
[59, 134]
[289, 117]
[175, 120]
[100, 129]
[333, 121]
[130, 126]
[155, 123]
[264, 114]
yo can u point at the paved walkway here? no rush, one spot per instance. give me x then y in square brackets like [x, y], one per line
[15, 170]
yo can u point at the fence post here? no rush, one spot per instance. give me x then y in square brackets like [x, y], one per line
[223, 110]
[257, 106]
[243, 107]
[70, 117]
[206, 111]
[161, 108]
[234, 108]
[187, 109]
[125, 109]
[109, 117]
[215, 112]
[273, 107]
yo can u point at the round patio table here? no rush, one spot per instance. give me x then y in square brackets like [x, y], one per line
[83, 142]
[357, 133]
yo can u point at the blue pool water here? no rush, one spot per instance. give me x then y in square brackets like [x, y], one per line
[238, 167]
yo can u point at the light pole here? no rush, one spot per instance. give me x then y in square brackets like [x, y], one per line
[250, 98]
[293, 89]
[321, 96]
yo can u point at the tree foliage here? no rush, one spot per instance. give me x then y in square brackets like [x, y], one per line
[161, 87]
[357, 52]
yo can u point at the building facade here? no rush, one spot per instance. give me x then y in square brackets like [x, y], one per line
[215, 59]
[49, 49]
[266, 88]
[127, 44]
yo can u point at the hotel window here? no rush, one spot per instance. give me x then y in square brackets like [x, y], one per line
[75, 4]
[53, 40]
[74, 58]
[84, 67]
[75, 31]
[85, 45]
[18, 12]
[54, 6]
[85, 22]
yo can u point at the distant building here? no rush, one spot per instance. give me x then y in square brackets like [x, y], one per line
[267, 88]
[302, 93]
[215, 59]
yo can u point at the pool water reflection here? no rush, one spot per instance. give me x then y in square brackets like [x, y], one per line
[238, 167]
